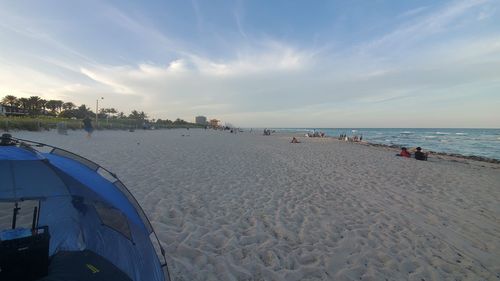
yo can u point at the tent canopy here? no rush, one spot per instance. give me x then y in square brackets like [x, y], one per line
[83, 209]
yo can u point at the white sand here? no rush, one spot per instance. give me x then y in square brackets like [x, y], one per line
[252, 207]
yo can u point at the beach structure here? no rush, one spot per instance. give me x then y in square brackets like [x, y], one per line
[214, 123]
[201, 120]
[83, 223]
[62, 129]
[7, 110]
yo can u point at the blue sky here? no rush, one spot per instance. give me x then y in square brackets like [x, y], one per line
[262, 63]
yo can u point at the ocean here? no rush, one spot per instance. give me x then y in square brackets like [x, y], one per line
[468, 142]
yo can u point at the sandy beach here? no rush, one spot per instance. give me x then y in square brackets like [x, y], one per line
[251, 207]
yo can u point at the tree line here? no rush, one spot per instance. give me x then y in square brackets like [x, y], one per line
[36, 106]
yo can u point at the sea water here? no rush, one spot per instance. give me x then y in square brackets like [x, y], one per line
[468, 142]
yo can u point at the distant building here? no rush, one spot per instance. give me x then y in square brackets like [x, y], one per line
[201, 120]
[214, 123]
[7, 110]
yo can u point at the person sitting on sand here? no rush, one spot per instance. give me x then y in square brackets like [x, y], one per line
[404, 153]
[419, 155]
[294, 140]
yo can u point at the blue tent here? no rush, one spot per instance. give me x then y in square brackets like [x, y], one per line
[92, 225]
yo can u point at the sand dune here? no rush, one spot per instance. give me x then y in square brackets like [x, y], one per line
[252, 207]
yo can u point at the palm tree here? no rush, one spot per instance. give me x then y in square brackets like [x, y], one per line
[10, 100]
[134, 115]
[143, 116]
[34, 103]
[164, 122]
[42, 106]
[24, 103]
[179, 121]
[59, 104]
[111, 111]
[103, 113]
[68, 106]
[52, 105]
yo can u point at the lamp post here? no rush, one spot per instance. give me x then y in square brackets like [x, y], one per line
[97, 113]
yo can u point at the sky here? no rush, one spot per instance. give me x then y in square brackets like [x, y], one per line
[260, 63]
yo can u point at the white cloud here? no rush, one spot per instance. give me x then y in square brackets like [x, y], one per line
[270, 57]
[235, 89]
[109, 81]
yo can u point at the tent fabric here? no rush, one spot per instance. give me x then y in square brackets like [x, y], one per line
[6, 180]
[16, 153]
[98, 184]
[90, 187]
[84, 211]
[29, 179]
[81, 228]
[63, 221]
[113, 245]
[83, 266]
[134, 202]
[113, 218]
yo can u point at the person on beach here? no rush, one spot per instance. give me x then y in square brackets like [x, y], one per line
[87, 126]
[419, 155]
[404, 153]
[294, 140]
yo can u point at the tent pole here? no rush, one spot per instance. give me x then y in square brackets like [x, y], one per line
[14, 218]
[33, 223]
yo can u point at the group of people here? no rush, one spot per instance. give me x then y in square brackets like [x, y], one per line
[267, 132]
[315, 134]
[355, 138]
[419, 155]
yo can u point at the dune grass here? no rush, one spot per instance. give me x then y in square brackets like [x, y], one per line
[47, 123]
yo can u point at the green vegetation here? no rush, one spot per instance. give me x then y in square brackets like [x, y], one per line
[35, 114]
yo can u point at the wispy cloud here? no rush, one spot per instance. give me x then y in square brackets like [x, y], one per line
[109, 81]
[198, 14]
[29, 29]
[413, 12]
[419, 26]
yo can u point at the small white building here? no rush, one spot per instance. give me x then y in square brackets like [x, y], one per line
[7, 110]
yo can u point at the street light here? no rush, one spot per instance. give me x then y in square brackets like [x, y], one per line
[97, 112]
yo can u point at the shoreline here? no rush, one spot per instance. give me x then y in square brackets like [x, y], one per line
[471, 143]
[396, 148]
[455, 155]
[295, 134]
